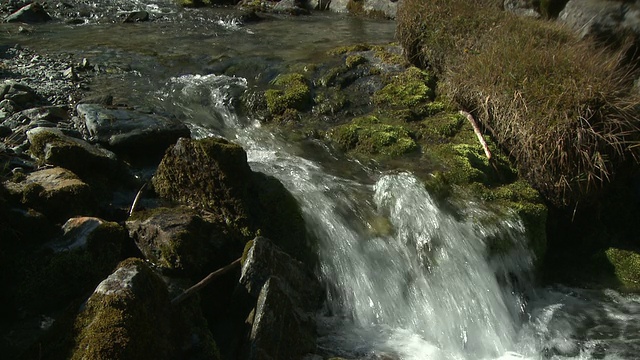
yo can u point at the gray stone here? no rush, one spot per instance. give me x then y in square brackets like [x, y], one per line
[76, 232]
[32, 13]
[129, 130]
[387, 8]
[602, 19]
[521, 8]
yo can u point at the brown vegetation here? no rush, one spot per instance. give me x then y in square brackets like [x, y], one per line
[564, 109]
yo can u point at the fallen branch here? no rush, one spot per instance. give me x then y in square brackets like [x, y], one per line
[476, 129]
[204, 282]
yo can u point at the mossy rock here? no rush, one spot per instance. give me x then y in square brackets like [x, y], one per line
[368, 135]
[182, 242]
[291, 92]
[412, 89]
[127, 317]
[627, 267]
[213, 175]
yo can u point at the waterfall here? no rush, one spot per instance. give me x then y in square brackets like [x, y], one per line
[406, 279]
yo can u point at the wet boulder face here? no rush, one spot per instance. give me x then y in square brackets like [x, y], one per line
[56, 192]
[182, 241]
[32, 13]
[127, 317]
[213, 174]
[287, 295]
[133, 133]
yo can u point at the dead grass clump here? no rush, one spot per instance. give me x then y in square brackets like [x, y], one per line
[563, 108]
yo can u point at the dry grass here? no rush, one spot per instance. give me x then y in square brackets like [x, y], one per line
[564, 109]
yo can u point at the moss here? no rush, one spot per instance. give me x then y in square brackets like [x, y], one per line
[293, 92]
[245, 252]
[329, 101]
[389, 57]
[349, 49]
[627, 267]
[355, 60]
[409, 90]
[368, 135]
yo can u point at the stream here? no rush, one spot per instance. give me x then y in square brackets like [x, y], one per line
[405, 279]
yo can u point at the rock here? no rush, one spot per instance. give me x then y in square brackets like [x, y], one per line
[32, 13]
[136, 16]
[77, 231]
[213, 174]
[56, 192]
[292, 7]
[98, 99]
[22, 96]
[265, 260]
[279, 330]
[522, 8]
[127, 317]
[626, 266]
[52, 146]
[135, 133]
[371, 8]
[181, 241]
[607, 21]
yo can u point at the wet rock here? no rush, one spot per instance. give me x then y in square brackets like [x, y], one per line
[213, 174]
[372, 8]
[136, 16]
[292, 7]
[32, 13]
[105, 100]
[279, 330]
[56, 192]
[127, 317]
[52, 146]
[182, 241]
[77, 232]
[134, 133]
[265, 260]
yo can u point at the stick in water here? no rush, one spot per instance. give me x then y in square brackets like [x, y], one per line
[190, 291]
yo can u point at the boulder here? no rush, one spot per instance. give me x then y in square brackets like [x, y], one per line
[279, 330]
[134, 133]
[127, 317]
[605, 20]
[32, 13]
[265, 260]
[136, 16]
[371, 8]
[56, 192]
[52, 146]
[182, 241]
[213, 174]
[20, 96]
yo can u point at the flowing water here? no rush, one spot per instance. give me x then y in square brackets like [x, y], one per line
[405, 279]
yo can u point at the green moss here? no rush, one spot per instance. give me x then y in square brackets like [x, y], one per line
[349, 48]
[409, 90]
[627, 267]
[389, 57]
[245, 252]
[354, 60]
[292, 92]
[329, 101]
[368, 135]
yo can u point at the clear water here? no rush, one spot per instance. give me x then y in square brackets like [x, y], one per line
[405, 279]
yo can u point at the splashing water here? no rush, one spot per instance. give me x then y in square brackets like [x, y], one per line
[405, 279]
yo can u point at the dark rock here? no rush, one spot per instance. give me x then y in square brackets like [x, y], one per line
[265, 260]
[4, 131]
[279, 330]
[32, 13]
[56, 192]
[133, 133]
[98, 99]
[293, 7]
[180, 240]
[21, 95]
[52, 146]
[137, 16]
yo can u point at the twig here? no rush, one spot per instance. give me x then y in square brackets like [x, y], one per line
[476, 129]
[137, 198]
[204, 282]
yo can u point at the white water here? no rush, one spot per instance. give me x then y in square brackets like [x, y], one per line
[405, 279]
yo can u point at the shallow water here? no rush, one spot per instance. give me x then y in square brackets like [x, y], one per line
[405, 279]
